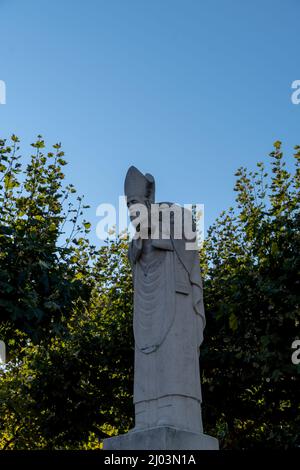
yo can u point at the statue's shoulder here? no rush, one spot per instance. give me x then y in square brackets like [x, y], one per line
[171, 207]
[168, 203]
[177, 214]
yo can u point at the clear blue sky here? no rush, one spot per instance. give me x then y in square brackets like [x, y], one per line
[188, 90]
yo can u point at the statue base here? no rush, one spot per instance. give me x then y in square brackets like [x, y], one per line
[161, 438]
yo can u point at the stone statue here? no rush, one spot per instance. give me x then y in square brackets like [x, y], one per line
[168, 325]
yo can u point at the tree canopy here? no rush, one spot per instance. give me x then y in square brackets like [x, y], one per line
[66, 311]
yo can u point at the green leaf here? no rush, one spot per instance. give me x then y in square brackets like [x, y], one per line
[277, 144]
[10, 182]
[233, 322]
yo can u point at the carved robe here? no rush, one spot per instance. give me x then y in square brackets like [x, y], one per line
[168, 328]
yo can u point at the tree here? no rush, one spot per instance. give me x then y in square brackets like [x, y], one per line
[70, 384]
[44, 275]
[61, 312]
[40, 278]
[251, 263]
[77, 389]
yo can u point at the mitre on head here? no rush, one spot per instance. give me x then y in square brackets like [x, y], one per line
[139, 185]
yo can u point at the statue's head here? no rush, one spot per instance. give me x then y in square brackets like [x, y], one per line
[139, 189]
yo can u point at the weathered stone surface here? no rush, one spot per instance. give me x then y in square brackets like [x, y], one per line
[168, 326]
[169, 316]
[161, 438]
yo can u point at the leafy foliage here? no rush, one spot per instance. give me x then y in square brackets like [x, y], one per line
[78, 387]
[66, 312]
[39, 279]
[251, 263]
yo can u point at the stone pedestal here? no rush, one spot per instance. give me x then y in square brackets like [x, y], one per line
[161, 438]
